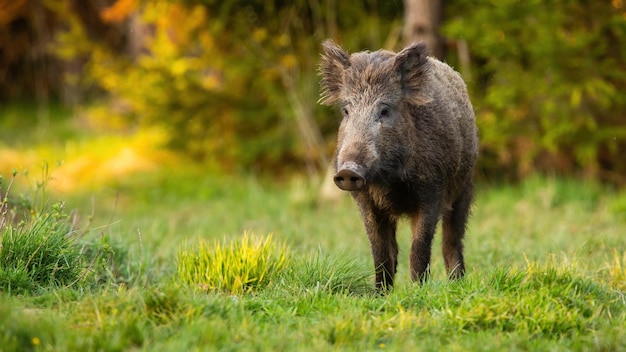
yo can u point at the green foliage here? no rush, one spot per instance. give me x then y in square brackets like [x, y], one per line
[241, 267]
[548, 83]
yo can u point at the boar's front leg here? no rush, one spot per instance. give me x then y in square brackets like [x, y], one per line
[381, 230]
[423, 226]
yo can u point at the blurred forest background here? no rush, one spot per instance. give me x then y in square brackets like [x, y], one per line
[232, 85]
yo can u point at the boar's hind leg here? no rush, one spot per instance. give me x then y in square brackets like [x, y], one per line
[454, 223]
[423, 226]
[381, 230]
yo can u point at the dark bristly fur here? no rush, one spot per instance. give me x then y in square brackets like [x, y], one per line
[406, 146]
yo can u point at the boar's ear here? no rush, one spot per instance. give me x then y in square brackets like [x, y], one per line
[334, 62]
[412, 65]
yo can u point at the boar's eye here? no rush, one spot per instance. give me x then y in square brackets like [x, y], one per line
[344, 111]
[384, 112]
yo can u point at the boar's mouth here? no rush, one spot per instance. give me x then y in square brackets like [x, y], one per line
[349, 177]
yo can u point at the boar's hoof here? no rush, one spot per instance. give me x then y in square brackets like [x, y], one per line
[349, 178]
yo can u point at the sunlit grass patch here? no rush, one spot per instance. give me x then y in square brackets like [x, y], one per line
[85, 164]
[241, 266]
[616, 270]
[545, 299]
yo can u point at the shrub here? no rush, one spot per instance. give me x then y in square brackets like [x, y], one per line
[231, 82]
[548, 83]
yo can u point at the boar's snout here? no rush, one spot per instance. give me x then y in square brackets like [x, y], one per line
[349, 177]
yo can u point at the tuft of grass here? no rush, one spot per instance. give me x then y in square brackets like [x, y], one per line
[41, 251]
[616, 270]
[238, 267]
[163, 305]
[329, 273]
[45, 249]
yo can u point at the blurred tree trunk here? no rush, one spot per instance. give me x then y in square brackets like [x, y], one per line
[41, 69]
[422, 19]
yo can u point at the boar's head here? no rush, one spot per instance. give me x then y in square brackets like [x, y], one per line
[375, 92]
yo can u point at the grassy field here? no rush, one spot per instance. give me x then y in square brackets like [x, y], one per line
[118, 252]
[546, 271]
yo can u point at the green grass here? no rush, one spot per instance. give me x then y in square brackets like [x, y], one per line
[546, 266]
[25, 123]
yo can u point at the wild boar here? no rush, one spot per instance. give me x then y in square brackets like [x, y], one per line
[407, 145]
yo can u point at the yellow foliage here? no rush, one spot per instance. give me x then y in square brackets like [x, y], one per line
[207, 77]
[179, 67]
[206, 41]
[289, 61]
[576, 97]
[210, 82]
[282, 40]
[259, 34]
[119, 11]
[176, 21]
[110, 117]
